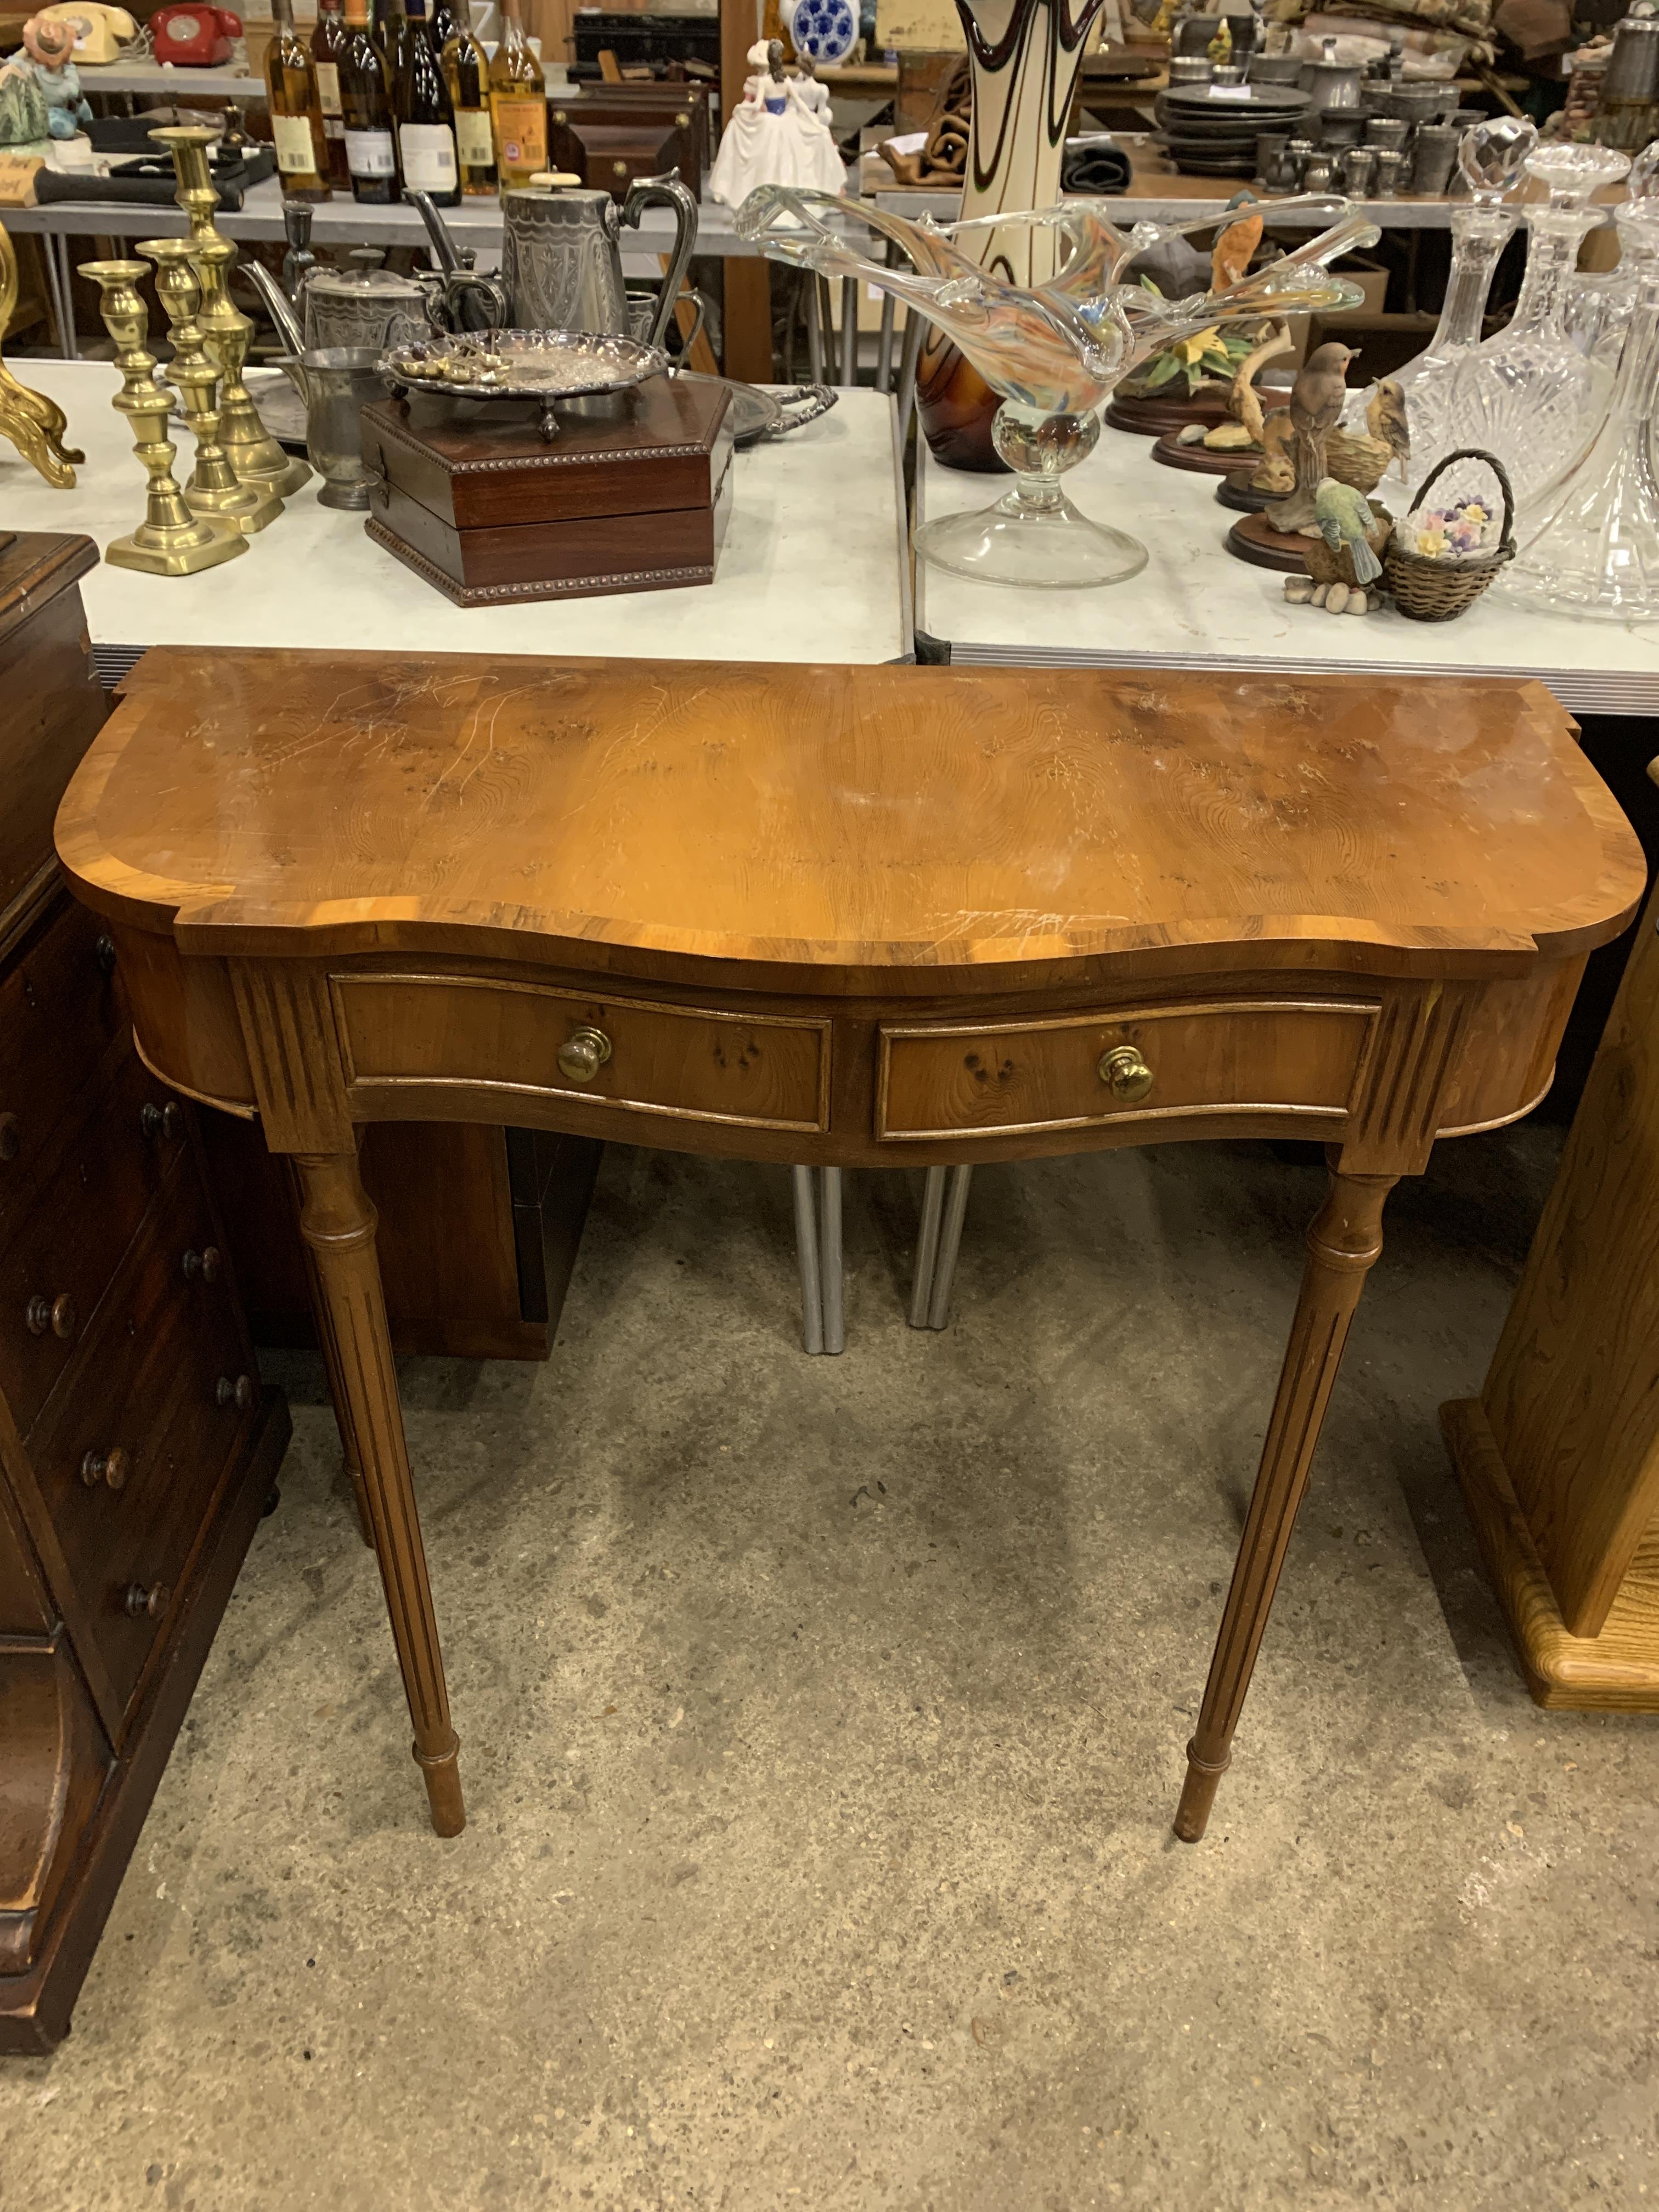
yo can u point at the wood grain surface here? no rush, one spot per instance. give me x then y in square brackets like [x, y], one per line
[837, 826]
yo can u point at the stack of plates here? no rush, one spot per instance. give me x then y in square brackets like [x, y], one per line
[1210, 129]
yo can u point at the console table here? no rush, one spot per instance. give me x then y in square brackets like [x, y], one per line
[849, 917]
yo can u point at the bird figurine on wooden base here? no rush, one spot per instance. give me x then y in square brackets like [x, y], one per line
[1345, 520]
[1317, 399]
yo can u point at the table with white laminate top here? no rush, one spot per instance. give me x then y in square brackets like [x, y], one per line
[814, 564]
[1194, 605]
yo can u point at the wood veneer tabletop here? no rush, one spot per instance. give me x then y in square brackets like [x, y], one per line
[838, 824]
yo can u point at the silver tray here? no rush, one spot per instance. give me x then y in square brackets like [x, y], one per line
[543, 366]
[281, 408]
[757, 414]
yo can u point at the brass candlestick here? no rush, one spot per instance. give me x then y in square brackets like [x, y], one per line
[34, 424]
[253, 453]
[213, 488]
[170, 541]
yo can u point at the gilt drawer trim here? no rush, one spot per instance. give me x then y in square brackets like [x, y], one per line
[361, 1088]
[1109, 1114]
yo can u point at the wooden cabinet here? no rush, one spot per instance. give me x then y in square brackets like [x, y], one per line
[136, 1447]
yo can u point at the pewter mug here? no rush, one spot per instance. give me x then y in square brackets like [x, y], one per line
[337, 383]
[562, 257]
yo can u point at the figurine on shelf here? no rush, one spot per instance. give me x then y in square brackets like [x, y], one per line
[1344, 560]
[1359, 458]
[47, 61]
[774, 136]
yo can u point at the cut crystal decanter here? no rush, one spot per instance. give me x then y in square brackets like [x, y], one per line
[1491, 158]
[1593, 547]
[1529, 395]
[1052, 351]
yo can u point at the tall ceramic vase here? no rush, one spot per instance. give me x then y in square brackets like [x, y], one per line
[1025, 56]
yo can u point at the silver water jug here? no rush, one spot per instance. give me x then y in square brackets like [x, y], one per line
[562, 257]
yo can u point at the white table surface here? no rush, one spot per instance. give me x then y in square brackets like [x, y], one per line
[811, 567]
[1194, 605]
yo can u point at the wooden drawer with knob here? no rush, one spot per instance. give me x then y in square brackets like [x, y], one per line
[60, 1013]
[139, 1434]
[58, 1263]
[1215, 1060]
[425, 1035]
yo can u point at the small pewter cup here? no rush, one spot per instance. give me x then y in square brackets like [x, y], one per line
[337, 383]
[1390, 174]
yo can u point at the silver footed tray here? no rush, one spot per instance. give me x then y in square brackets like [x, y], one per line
[543, 366]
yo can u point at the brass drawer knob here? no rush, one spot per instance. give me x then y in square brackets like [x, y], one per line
[112, 1467]
[206, 1263]
[240, 1394]
[11, 1136]
[168, 1122]
[57, 1315]
[583, 1053]
[1124, 1073]
[145, 1602]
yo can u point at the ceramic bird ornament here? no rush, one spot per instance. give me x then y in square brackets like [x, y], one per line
[1345, 517]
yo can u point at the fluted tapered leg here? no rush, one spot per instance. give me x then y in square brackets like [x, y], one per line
[1343, 1242]
[350, 1458]
[336, 1221]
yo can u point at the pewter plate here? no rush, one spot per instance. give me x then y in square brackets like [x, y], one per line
[545, 366]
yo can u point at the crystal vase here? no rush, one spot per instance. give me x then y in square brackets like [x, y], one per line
[1529, 395]
[1593, 547]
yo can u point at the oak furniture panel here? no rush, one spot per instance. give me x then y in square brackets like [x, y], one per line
[709, 906]
[128, 1491]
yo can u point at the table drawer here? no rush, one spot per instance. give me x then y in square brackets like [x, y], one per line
[130, 1449]
[60, 1012]
[58, 1264]
[1149, 1064]
[502, 1042]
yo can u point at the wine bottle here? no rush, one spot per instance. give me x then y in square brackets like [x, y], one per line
[447, 19]
[391, 35]
[467, 75]
[326, 41]
[297, 115]
[426, 117]
[366, 106]
[517, 103]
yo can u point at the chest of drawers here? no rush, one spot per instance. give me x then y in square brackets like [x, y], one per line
[136, 1447]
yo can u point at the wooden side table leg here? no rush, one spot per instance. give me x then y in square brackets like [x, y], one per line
[349, 1454]
[336, 1221]
[1343, 1242]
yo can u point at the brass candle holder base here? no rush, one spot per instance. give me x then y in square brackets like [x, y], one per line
[170, 541]
[254, 455]
[213, 488]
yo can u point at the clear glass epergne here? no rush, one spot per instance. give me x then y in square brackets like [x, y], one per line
[1052, 351]
[1593, 547]
[1529, 395]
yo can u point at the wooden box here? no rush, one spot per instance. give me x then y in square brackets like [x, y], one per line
[632, 498]
[618, 133]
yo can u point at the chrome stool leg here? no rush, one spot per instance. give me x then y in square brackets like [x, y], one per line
[829, 1259]
[806, 1253]
[933, 1209]
[944, 1211]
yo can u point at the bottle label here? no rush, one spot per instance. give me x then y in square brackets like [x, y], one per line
[472, 135]
[429, 151]
[369, 154]
[295, 155]
[521, 125]
[328, 88]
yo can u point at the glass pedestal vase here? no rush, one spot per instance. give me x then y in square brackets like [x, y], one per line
[1033, 535]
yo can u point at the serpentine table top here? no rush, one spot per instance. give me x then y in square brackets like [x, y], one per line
[850, 916]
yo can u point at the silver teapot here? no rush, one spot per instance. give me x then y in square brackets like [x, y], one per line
[561, 262]
[360, 305]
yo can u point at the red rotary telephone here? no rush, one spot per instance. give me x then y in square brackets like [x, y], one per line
[197, 38]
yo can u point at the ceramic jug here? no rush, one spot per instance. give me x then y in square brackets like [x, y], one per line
[562, 257]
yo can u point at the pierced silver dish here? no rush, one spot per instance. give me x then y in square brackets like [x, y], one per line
[543, 366]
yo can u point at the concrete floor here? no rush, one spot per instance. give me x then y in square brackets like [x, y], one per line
[821, 1722]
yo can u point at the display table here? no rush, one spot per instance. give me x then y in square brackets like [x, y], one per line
[852, 917]
[1194, 605]
[814, 559]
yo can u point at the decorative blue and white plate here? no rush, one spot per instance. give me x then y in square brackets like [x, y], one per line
[826, 29]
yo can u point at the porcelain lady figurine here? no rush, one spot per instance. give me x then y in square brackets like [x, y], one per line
[773, 138]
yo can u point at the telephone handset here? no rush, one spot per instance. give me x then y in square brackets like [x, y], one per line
[196, 38]
[99, 32]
